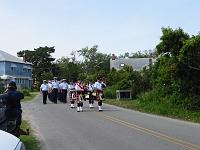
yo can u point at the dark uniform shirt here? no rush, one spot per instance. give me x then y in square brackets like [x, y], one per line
[13, 106]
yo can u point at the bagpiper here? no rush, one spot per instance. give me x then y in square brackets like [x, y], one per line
[79, 91]
[99, 86]
[90, 90]
[72, 94]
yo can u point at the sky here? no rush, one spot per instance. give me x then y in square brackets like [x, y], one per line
[116, 26]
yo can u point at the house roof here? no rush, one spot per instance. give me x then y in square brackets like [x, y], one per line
[8, 57]
[136, 63]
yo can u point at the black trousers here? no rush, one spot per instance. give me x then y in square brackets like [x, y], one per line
[55, 95]
[44, 93]
[64, 96]
[50, 97]
[91, 99]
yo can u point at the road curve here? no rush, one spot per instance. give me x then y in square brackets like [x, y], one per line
[62, 128]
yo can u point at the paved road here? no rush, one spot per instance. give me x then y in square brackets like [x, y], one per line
[62, 128]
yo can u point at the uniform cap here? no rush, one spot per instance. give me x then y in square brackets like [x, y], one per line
[12, 84]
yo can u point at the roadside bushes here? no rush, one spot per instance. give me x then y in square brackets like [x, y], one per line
[128, 79]
[26, 92]
[110, 92]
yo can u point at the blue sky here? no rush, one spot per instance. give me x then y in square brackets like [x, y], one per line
[117, 26]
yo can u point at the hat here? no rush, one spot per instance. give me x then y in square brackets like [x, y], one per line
[12, 84]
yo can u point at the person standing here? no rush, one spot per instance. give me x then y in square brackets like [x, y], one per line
[72, 94]
[99, 85]
[79, 91]
[50, 90]
[12, 99]
[63, 89]
[44, 90]
[55, 90]
[60, 91]
[90, 91]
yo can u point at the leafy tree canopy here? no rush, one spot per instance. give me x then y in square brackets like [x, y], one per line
[40, 58]
[171, 41]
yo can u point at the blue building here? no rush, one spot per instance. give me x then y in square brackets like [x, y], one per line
[15, 69]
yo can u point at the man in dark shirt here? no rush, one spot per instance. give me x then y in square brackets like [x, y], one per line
[12, 99]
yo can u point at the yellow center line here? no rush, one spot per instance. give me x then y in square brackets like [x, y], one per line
[154, 133]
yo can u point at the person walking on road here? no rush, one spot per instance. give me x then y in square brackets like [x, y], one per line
[44, 91]
[50, 91]
[90, 89]
[63, 90]
[55, 90]
[72, 94]
[99, 86]
[79, 91]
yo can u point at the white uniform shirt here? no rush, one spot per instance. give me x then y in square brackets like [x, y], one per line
[90, 87]
[55, 85]
[44, 87]
[50, 85]
[64, 86]
[60, 85]
[98, 85]
[71, 87]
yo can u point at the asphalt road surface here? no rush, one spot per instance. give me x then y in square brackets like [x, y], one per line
[61, 128]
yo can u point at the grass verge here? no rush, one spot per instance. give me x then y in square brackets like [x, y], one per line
[155, 107]
[30, 97]
[30, 142]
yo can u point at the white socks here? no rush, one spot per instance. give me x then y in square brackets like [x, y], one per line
[100, 109]
[79, 109]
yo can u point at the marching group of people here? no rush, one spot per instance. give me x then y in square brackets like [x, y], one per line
[78, 92]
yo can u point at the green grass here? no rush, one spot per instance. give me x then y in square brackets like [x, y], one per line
[156, 107]
[30, 141]
[29, 98]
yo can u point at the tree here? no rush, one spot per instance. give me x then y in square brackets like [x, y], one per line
[41, 60]
[177, 70]
[189, 67]
[94, 62]
[69, 68]
[172, 41]
[190, 53]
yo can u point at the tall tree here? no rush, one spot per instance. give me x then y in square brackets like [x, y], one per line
[189, 67]
[95, 62]
[171, 41]
[41, 60]
[69, 68]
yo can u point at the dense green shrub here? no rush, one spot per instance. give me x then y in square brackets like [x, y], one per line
[26, 92]
[110, 92]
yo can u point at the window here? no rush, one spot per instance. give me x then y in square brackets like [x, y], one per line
[13, 66]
